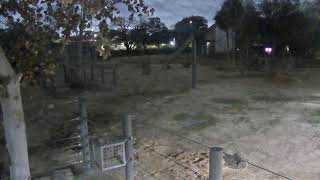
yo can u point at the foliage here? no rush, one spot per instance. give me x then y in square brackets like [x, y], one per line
[248, 30]
[123, 32]
[230, 16]
[189, 25]
[274, 23]
[282, 27]
[150, 31]
[37, 24]
[163, 36]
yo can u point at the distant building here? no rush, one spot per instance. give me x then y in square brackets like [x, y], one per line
[215, 41]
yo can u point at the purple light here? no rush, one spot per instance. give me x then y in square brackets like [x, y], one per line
[268, 50]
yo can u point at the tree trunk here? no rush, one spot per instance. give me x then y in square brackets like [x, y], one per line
[128, 49]
[228, 45]
[228, 40]
[14, 124]
[144, 48]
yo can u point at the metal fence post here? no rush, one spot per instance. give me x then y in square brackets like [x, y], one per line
[215, 167]
[194, 63]
[84, 133]
[129, 148]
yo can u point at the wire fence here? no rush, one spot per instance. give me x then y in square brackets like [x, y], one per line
[236, 158]
[74, 144]
[63, 150]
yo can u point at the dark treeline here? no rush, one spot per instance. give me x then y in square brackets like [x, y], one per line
[285, 25]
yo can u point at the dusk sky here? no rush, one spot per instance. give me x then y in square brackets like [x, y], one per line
[172, 11]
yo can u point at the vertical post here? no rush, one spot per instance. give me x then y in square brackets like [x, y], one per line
[129, 147]
[102, 74]
[92, 72]
[84, 135]
[215, 171]
[114, 76]
[66, 66]
[194, 62]
[84, 76]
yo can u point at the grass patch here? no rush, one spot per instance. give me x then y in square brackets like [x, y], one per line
[315, 118]
[274, 122]
[272, 99]
[196, 121]
[181, 116]
[235, 103]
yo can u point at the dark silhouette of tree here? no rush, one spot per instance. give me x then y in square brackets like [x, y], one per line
[123, 33]
[283, 22]
[150, 31]
[249, 28]
[189, 25]
[230, 17]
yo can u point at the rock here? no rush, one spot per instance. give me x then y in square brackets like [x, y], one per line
[234, 161]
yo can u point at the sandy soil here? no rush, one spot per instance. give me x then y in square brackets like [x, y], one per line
[274, 124]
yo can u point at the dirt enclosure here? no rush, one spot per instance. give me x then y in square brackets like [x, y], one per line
[271, 123]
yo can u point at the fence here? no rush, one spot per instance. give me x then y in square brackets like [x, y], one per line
[94, 74]
[216, 158]
[111, 157]
[72, 151]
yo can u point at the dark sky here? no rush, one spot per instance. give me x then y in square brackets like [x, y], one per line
[172, 11]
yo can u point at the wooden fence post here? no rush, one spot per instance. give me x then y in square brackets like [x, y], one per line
[84, 133]
[129, 148]
[215, 167]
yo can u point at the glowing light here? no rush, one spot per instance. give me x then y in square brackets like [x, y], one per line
[287, 48]
[173, 42]
[102, 47]
[191, 22]
[268, 50]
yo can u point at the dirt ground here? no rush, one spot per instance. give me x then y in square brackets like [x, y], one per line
[271, 123]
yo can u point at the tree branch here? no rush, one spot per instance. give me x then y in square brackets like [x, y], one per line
[2, 22]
